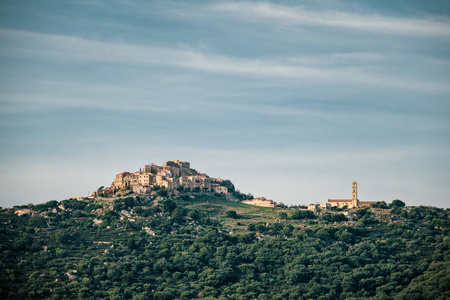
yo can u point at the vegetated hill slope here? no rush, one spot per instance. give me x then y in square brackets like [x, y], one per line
[211, 248]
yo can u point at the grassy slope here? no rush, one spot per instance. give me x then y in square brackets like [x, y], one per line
[217, 208]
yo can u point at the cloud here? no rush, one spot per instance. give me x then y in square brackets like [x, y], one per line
[63, 47]
[333, 68]
[283, 68]
[299, 16]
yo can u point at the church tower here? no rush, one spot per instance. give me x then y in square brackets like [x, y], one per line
[355, 195]
[355, 191]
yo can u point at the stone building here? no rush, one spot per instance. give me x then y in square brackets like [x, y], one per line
[122, 180]
[312, 207]
[219, 189]
[139, 189]
[260, 201]
[324, 206]
[147, 179]
[350, 203]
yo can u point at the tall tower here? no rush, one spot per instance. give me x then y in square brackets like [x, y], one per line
[355, 191]
[355, 194]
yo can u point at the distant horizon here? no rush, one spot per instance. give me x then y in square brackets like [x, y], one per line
[289, 100]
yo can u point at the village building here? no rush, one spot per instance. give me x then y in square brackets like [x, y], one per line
[350, 203]
[134, 179]
[219, 189]
[325, 206]
[171, 184]
[312, 207]
[364, 204]
[315, 207]
[260, 201]
[146, 179]
[121, 180]
[139, 189]
[153, 169]
[207, 185]
[182, 165]
[183, 181]
[108, 191]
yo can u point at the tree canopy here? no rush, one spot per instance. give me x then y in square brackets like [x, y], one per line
[208, 247]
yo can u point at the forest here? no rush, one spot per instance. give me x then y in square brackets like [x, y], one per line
[207, 247]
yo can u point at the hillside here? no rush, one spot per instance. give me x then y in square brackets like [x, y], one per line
[204, 246]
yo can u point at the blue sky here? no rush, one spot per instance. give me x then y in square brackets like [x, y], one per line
[291, 100]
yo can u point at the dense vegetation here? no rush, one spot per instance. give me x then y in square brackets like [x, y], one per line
[207, 247]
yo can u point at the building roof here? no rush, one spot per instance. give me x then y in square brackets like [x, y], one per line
[340, 200]
[262, 199]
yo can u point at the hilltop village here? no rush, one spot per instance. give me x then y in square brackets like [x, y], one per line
[175, 177]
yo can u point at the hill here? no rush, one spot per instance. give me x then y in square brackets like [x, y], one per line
[203, 246]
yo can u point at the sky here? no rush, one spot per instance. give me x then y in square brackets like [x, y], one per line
[290, 100]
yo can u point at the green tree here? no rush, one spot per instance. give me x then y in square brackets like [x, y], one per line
[381, 204]
[37, 221]
[195, 215]
[360, 213]
[333, 217]
[283, 215]
[232, 214]
[303, 214]
[397, 203]
[162, 192]
[178, 214]
[169, 205]
[228, 184]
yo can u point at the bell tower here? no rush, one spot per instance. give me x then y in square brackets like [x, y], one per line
[355, 194]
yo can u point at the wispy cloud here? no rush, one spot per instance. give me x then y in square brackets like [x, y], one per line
[298, 15]
[62, 47]
[292, 67]
[66, 48]
[323, 158]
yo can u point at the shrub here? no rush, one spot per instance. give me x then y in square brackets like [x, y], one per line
[397, 203]
[303, 214]
[232, 214]
[283, 215]
[333, 217]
